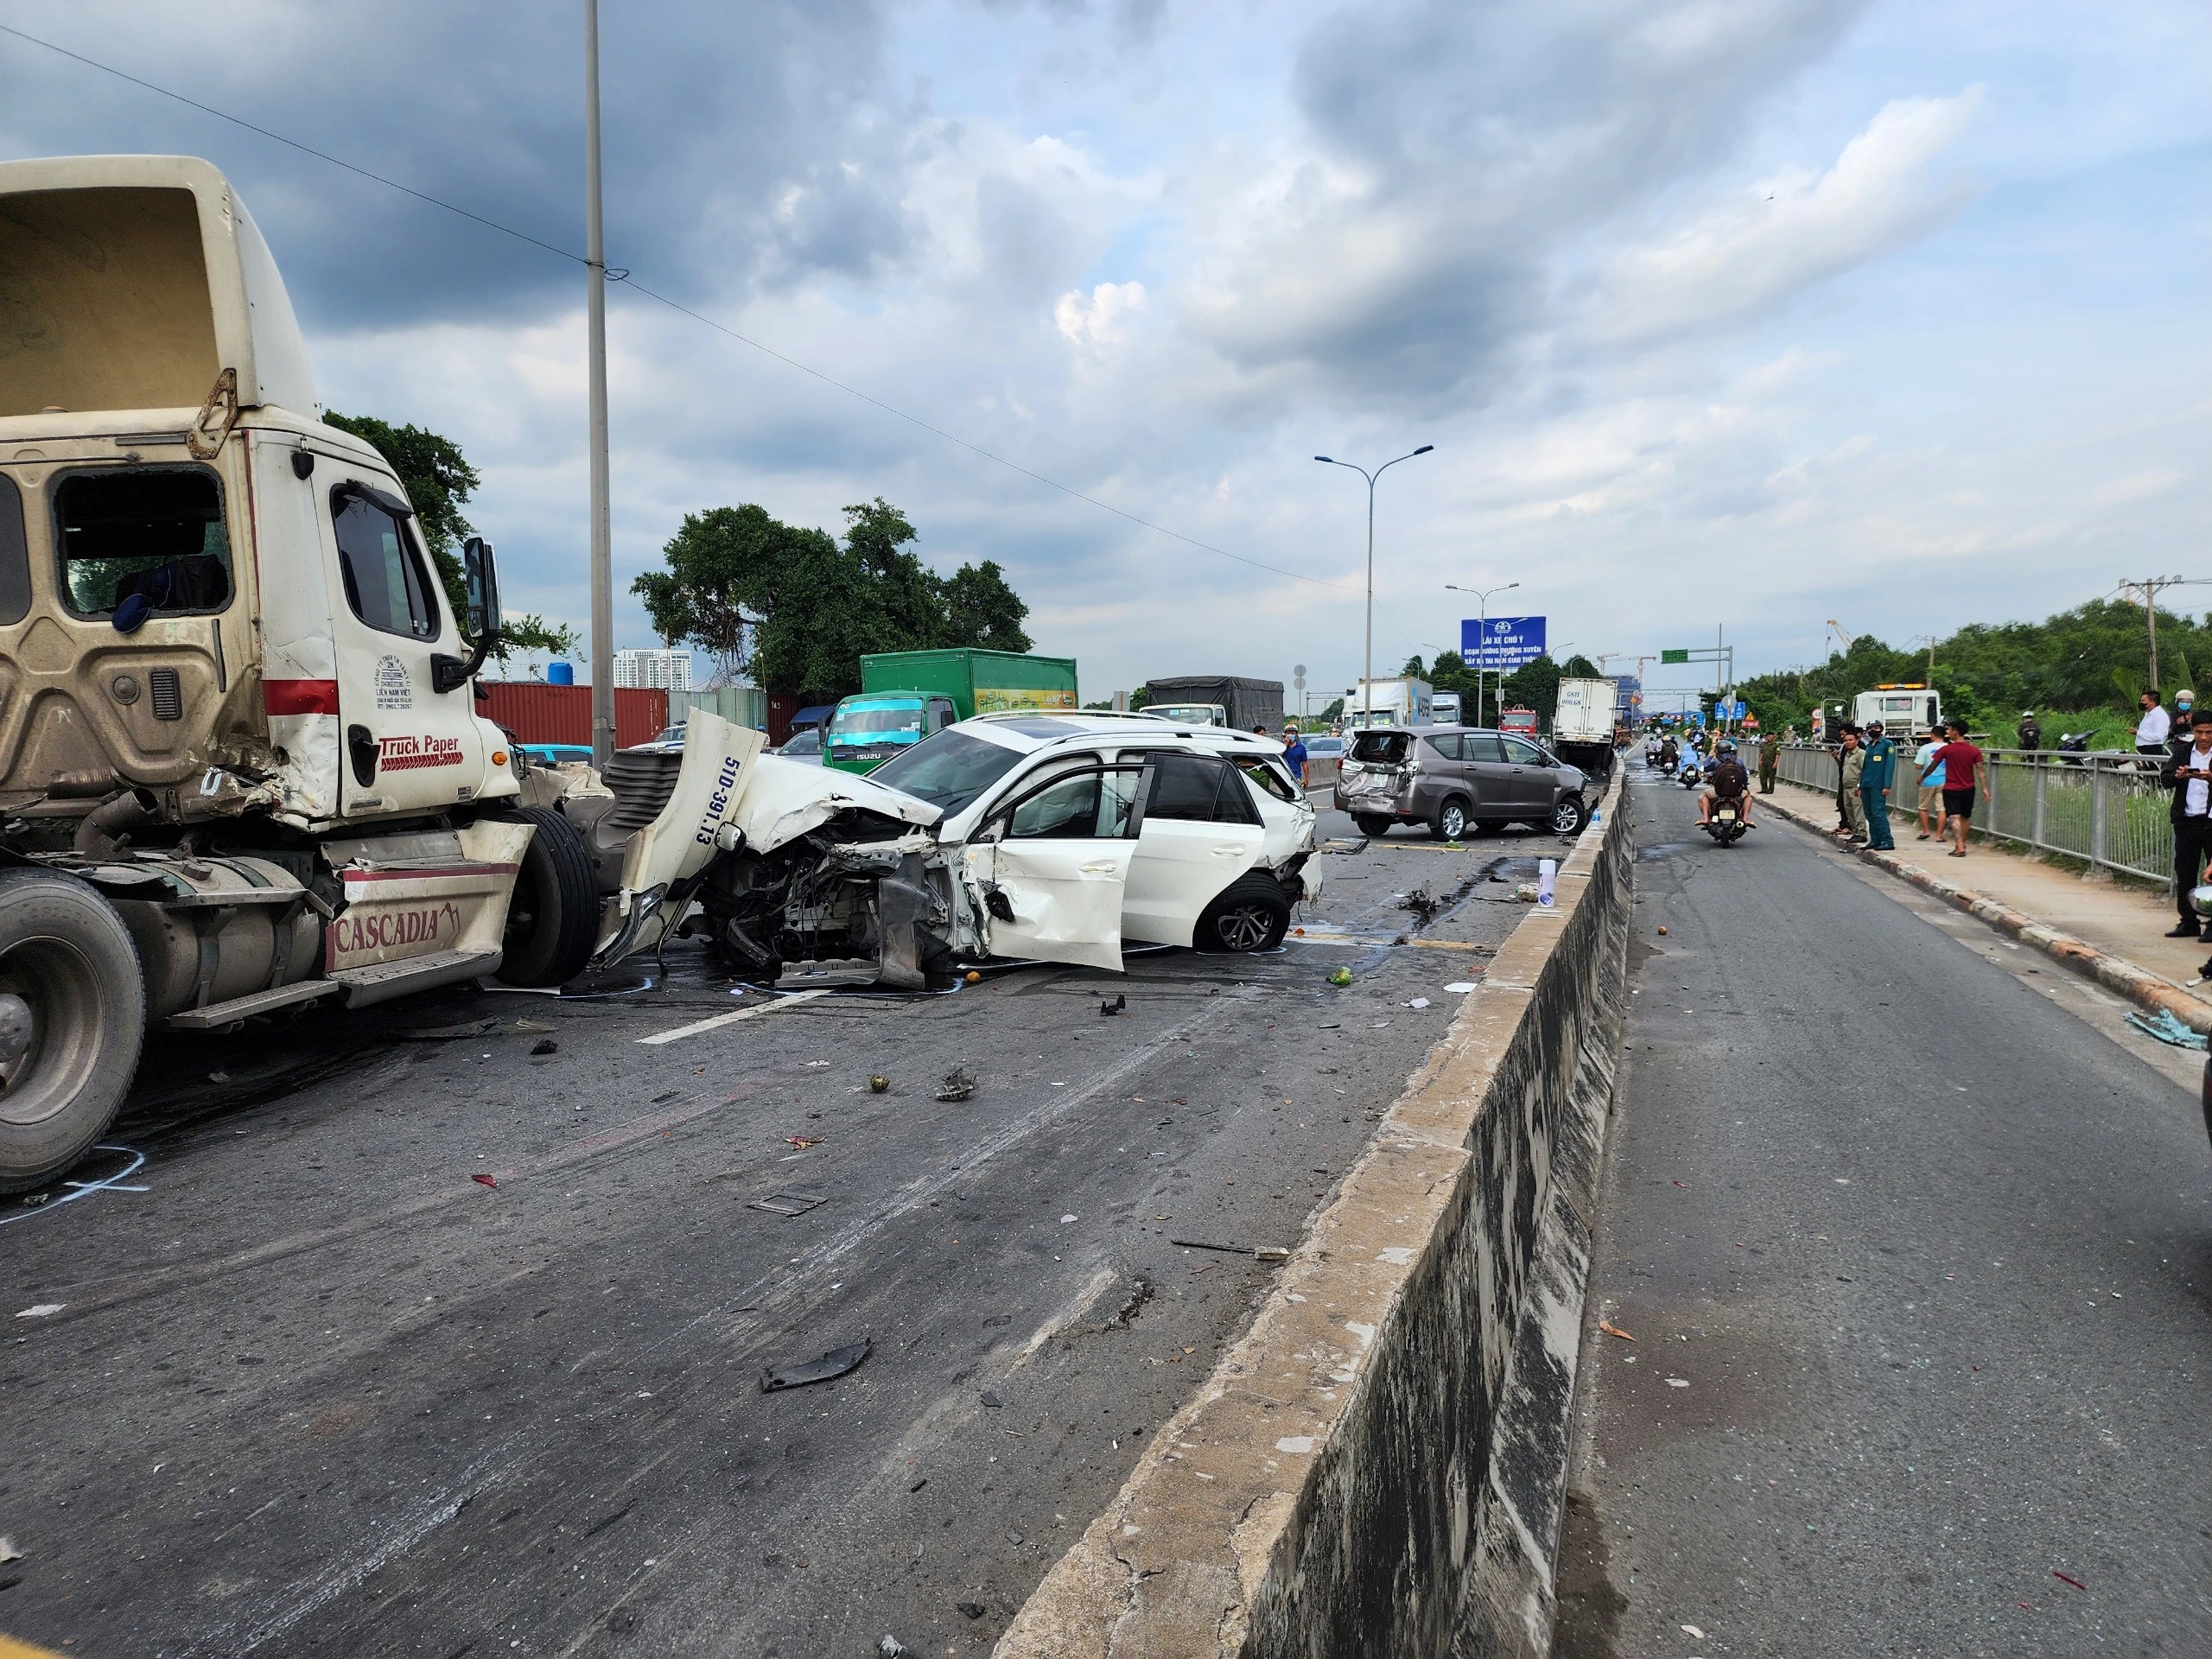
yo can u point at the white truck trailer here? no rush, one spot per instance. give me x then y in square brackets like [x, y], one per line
[1583, 723]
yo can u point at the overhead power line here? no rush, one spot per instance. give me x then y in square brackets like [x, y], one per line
[624, 276]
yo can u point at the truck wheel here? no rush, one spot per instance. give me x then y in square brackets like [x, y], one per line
[1450, 820]
[1253, 915]
[553, 918]
[1373, 828]
[73, 1016]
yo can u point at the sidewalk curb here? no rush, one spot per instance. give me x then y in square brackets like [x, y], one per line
[2139, 985]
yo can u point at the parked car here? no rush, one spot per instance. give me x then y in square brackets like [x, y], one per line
[1455, 779]
[804, 745]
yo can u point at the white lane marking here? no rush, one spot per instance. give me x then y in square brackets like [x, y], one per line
[732, 1017]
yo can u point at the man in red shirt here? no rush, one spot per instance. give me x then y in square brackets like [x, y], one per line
[1964, 769]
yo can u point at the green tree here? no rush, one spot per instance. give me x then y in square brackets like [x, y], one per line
[1535, 685]
[799, 609]
[1579, 667]
[438, 481]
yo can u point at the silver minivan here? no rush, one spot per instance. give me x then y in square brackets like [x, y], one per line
[1455, 777]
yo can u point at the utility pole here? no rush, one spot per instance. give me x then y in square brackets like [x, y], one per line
[2149, 587]
[602, 545]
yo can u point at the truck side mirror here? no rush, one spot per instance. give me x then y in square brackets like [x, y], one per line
[480, 576]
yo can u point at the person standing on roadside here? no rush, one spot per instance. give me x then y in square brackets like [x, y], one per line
[1294, 752]
[1875, 778]
[2030, 731]
[1930, 773]
[1845, 794]
[1964, 771]
[1770, 757]
[2188, 773]
[1852, 763]
[2155, 727]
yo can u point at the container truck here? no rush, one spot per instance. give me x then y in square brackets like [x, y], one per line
[1583, 724]
[1216, 700]
[1444, 708]
[907, 696]
[1391, 703]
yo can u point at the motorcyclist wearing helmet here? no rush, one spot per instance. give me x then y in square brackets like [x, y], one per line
[1668, 753]
[1725, 780]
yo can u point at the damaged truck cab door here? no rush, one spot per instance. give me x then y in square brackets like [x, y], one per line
[1049, 873]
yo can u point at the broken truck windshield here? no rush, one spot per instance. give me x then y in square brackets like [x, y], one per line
[152, 530]
[949, 771]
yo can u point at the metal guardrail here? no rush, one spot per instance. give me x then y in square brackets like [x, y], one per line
[2106, 809]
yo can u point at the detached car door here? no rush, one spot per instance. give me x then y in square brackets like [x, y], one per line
[1052, 867]
[1198, 832]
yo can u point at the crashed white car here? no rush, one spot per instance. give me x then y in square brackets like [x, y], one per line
[1050, 836]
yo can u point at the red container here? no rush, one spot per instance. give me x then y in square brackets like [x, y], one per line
[538, 713]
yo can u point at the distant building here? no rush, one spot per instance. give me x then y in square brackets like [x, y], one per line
[653, 670]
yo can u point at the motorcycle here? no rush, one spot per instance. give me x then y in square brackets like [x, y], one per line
[1727, 826]
[1692, 775]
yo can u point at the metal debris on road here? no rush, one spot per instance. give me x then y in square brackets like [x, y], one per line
[835, 1363]
[788, 1203]
[958, 1084]
[1260, 1253]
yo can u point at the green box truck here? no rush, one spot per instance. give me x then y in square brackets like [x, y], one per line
[907, 696]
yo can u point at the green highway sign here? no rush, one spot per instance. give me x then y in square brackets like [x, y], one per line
[1674, 656]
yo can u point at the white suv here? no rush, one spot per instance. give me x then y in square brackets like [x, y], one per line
[1076, 831]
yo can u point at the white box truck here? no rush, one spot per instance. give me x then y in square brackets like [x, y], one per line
[1583, 722]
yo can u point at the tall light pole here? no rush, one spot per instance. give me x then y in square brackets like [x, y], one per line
[1482, 634]
[603, 546]
[1367, 680]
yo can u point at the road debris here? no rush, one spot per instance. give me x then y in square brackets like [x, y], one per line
[803, 1141]
[892, 1648]
[466, 1029]
[543, 1046]
[1064, 1220]
[1341, 976]
[835, 1363]
[9, 1552]
[991, 1402]
[2055, 1573]
[958, 1084]
[1119, 1005]
[1418, 1002]
[972, 1609]
[42, 1310]
[1662, 930]
[1693, 1631]
[1612, 1330]
[879, 1084]
[788, 1203]
[485, 1180]
[1420, 904]
[2167, 1029]
[1460, 987]
[1258, 1253]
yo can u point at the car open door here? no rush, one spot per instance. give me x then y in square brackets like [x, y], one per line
[1198, 830]
[1049, 873]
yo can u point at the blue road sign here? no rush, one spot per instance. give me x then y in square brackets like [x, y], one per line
[1503, 643]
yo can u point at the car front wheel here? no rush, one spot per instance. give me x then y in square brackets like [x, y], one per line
[1569, 816]
[1253, 915]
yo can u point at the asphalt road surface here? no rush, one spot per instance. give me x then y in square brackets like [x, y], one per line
[1915, 1241]
[317, 1388]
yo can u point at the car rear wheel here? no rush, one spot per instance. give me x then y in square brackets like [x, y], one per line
[1253, 915]
[72, 1016]
[1569, 816]
[553, 918]
[1450, 821]
[1371, 826]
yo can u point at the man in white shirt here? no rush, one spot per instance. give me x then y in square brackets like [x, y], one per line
[1931, 785]
[2188, 774]
[2153, 730]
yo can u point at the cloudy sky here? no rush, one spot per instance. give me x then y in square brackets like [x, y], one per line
[1719, 312]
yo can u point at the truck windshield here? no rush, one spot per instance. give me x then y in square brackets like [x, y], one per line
[143, 530]
[949, 771]
[872, 721]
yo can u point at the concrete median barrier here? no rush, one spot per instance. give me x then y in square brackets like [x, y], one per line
[1379, 1464]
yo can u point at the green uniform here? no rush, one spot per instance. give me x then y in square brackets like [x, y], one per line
[1874, 779]
[1769, 757]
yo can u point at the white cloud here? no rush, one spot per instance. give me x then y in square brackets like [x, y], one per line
[1098, 321]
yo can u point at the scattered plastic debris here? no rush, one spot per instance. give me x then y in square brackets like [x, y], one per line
[2167, 1029]
[1460, 987]
[1419, 902]
[1612, 1330]
[1418, 1002]
[485, 1180]
[878, 1084]
[1119, 1005]
[835, 1363]
[1678, 1381]
[1261, 1252]
[958, 1084]
[803, 1141]
[39, 1311]
[892, 1648]
[1341, 976]
[1332, 1025]
[1693, 1631]
[9, 1552]
[1064, 1220]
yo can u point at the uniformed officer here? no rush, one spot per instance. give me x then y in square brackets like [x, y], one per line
[1874, 780]
[1770, 757]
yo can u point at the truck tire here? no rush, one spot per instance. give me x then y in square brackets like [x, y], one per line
[553, 918]
[1373, 828]
[72, 1017]
[1451, 821]
[1252, 915]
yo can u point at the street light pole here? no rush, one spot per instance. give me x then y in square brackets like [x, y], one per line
[602, 547]
[1482, 634]
[1367, 679]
